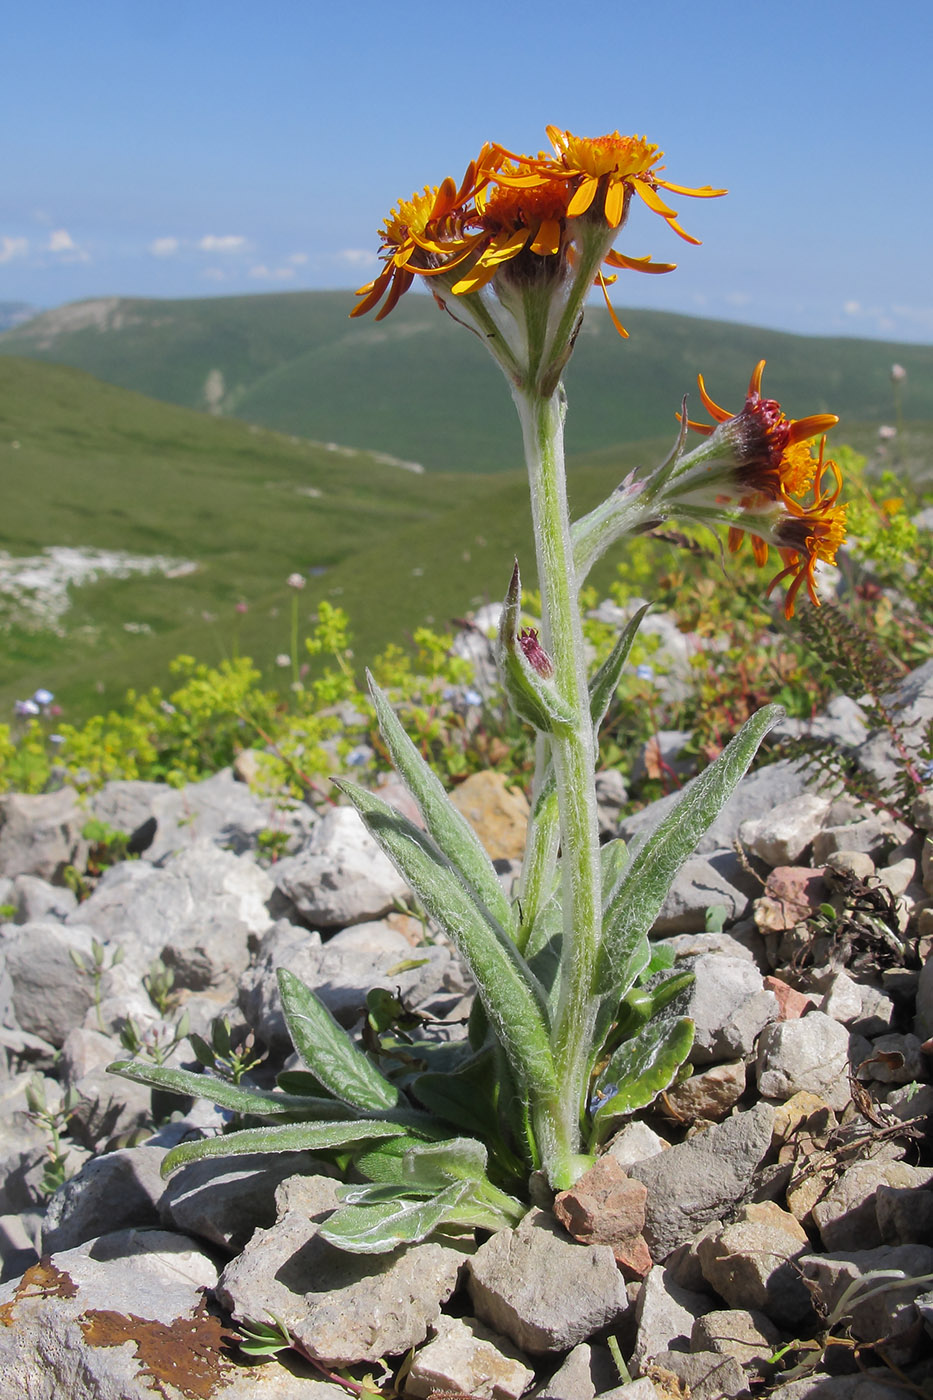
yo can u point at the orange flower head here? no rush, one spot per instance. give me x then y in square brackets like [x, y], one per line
[618, 166]
[806, 535]
[422, 235]
[771, 454]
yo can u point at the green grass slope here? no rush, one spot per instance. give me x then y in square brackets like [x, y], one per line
[420, 387]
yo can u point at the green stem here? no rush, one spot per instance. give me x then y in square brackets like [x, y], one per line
[557, 1123]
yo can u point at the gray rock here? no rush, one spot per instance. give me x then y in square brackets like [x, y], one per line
[41, 835]
[708, 1375]
[665, 1315]
[810, 1053]
[113, 1192]
[124, 1317]
[895, 1059]
[341, 972]
[912, 706]
[18, 1243]
[749, 1336]
[842, 722]
[636, 1143]
[888, 1313]
[36, 899]
[542, 1289]
[341, 1307]
[467, 1357]
[702, 883]
[49, 994]
[611, 793]
[729, 1005]
[586, 1371]
[198, 915]
[923, 1020]
[224, 1202]
[842, 999]
[693, 1182]
[225, 813]
[341, 876]
[904, 1215]
[752, 1263]
[124, 803]
[757, 792]
[85, 1050]
[111, 1112]
[782, 835]
[872, 835]
[846, 1217]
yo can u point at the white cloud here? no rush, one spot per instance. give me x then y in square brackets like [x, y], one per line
[164, 247]
[63, 245]
[223, 243]
[214, 274]
[271, 274]
[357, 257]
[60, 241]
[11, 248]
[737, 298]
[852, 308]
[299, 259]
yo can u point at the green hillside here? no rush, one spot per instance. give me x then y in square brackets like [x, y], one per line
[86, 465]
[420, 387]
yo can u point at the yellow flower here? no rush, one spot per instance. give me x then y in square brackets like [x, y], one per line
[807, 535]
[422, 235]
[618, 166]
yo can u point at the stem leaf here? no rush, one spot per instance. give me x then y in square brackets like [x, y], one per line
[639, 1070]
[290, 1137]
[452, 833]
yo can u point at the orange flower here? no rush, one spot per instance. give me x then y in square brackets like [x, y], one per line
[770, 450]
[616, 167]
[807, 535]
[424, 236]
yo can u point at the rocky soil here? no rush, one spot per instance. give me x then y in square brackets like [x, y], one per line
[721, 1227]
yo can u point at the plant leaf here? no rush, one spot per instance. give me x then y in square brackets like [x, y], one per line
[513, 997]
[604, 682]
[237, 1097]
[437, 1163]
[449, 829]
[639, 1070]
[375, 1227]
[465, 1098]
[652, 867]
[290, 1137]
[328, 1051]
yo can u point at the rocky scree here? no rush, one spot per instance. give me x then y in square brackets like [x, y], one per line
[722, 1227]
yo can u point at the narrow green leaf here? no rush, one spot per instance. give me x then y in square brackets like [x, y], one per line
[513, 997]
[640, 1070]
[449, 829]
[640, 893]
[604, 682]
[328, 1051]
[381, 1226]
[525, 669]
[237, 1097]
[291, 1137]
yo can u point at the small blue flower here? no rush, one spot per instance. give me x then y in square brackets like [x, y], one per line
[472, 697]
[43, 697]
[26, 708]
[360, 756]
[644, 672]
[602, 1096]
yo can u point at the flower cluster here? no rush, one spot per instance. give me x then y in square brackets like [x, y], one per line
[525, 215]
[760, 468]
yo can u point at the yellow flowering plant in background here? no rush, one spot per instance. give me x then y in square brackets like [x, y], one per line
[575, 1023]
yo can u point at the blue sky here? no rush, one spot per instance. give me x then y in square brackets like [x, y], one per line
[187, 148]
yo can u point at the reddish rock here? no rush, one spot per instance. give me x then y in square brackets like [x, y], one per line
[792, 893]
[607, 1207]
[791, 1002]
